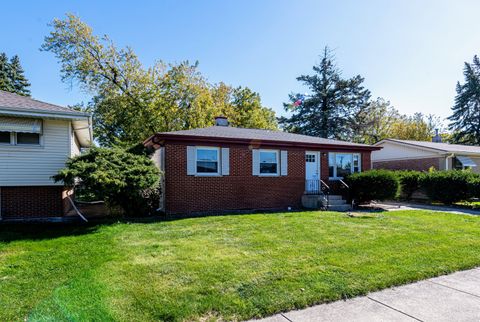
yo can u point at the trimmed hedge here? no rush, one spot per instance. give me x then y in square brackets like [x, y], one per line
[450, 186]
[444, 186]
[409, 181]
[373, 185]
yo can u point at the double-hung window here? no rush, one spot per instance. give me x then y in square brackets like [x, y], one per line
[20, 131]
[342, 164]
[207, 160]
[269, 164]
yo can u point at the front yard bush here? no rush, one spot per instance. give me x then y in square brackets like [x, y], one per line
[450, 186]
[373, 185]
[409, 181]
[118, 176]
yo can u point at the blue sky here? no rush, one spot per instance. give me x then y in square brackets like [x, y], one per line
[410, 52]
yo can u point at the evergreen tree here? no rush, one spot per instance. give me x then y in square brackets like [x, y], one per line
[331, 108]
[17, 78]
[5, 81]
[465, 120]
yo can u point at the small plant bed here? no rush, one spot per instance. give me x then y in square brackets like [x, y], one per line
[223, 267]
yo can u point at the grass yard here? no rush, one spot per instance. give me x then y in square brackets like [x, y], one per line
[227, 267]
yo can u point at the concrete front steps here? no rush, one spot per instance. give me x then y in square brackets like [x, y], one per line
[335, 202]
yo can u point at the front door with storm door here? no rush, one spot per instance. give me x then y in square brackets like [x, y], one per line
[312, 172]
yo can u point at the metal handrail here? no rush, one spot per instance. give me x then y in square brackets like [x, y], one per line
[343, 182]
[326, 185]
[326, 193]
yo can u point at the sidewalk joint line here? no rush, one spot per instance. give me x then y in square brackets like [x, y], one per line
[453, 288]
[392, 308]
[285, 317]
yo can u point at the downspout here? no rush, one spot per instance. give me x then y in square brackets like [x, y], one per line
[446, 160]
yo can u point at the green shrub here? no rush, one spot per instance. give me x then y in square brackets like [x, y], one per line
[373, 185]
[450, 186]
[474, 186]
[117, 176]
[409, 181]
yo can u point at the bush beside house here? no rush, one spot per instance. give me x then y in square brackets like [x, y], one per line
[447, 187]
[122, 178]
[373, 185]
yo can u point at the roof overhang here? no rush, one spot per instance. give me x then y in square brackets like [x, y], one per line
[439, 151]
[159, 139]
[81, 122]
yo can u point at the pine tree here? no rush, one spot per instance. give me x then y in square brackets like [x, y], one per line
[5, 81]
[465, 120]
[331, 108]
[17, 78]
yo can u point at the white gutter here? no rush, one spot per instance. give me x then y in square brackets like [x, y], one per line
[446, 160]
[52, 114]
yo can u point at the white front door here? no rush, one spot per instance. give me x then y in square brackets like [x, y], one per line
[312, 171]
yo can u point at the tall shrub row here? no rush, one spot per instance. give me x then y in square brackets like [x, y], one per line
[443, 186]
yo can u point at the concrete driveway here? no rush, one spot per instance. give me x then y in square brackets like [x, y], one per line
[454, 297]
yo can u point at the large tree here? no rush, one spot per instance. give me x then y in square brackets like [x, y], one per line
[5, 81]
[332, 105]
[465, 120]
[17, 77]
[130, 102]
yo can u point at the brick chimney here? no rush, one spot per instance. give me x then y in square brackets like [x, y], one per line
[221, 121]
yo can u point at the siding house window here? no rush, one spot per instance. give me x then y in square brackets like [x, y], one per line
[269, 162]
[5, 137]
[342, 164]
[28, 138]
[207, 160]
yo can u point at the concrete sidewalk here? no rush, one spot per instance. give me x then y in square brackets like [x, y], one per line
[394, 205]
[454, 297]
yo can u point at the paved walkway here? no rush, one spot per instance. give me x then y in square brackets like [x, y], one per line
[392, 206]
[454, 297]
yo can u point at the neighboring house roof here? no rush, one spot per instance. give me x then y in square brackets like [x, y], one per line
[232, 134]
[17, 105]
[18, 102]
[439, 147]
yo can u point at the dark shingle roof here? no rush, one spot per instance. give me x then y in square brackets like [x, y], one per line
[444, 147]
[22, 103]
[257, 134]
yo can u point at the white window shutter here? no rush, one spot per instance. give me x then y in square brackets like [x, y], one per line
[225, 161]
[255, 162]
[191, 160]
[284, 163]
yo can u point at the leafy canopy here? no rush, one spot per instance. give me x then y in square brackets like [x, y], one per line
[118, 176]
[130, 101]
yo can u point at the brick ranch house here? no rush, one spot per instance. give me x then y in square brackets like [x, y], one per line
[222, 168]
[36, 139]
[422, 155]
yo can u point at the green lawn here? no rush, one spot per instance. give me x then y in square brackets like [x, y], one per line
[225, 267]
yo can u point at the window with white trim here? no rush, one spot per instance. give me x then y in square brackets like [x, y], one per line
[207, 160]
[19, 138]
[269, 164]
[342, 164]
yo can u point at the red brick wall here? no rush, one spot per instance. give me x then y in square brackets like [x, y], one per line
[31, 202]
[238, 191]
[410, 164]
